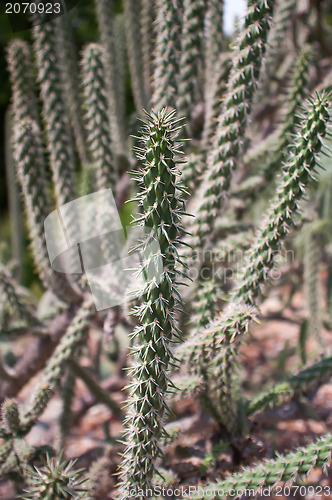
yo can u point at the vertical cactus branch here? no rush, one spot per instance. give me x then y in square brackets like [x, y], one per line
[32, 176]
[168, 45]
[66, 348]
[14, 205]
[234, 115]
[59, 139]
[298, 171]
[163, 207]
[115, 94]
[20, 72]
[135, 56]
[284, 13]
[148, 42]
[191, 45]
[70, 81]
[96, 106]
[296, 95]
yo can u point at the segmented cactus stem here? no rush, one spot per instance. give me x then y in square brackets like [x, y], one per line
[97, 114]
[168, 46]
[162, 209]
[233, 117]
[134, 45]
[115, 94]
[272, 472]
[58, 131]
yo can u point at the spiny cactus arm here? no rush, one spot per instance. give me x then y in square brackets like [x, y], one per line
[75, 334]
[10, 418]
[162, 209]
[234, 115]
[97, 114]
[225, 363]
[115, 94]
[185, 386]
[295, 98]
[14, 202]
[147, 20]
[21, 78]
[134, 46]
[36, 355]
[5, 450]
[288, 468]
[33, 412]
[17, 297]
[66, 348]
[70, 81]
[284, 13]
[191, 45]
[31, 169]
[298, 172]
[280, 393]
[58, 132]
[168, 46]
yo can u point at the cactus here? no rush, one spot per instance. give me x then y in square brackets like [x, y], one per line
[95, 97]
[168, 31]
[283, 468]
[56, 479]
[191, 45]
[233, 119]
[163, 207]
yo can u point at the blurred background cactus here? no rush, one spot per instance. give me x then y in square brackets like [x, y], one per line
[232, 180]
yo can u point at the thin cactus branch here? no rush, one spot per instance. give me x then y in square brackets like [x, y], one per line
[168, 46]
[163, 207]
[288, 468]
[298, 172]
[97, 113]
[21, 76]
[295, 98]
[280, 393]
[115, 94]
[70, 81]
[191, 45]
[233, 118]
[132, 9]
[58, 132]
[31, 171]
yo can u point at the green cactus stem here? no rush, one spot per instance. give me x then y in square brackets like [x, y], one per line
[162, 210]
